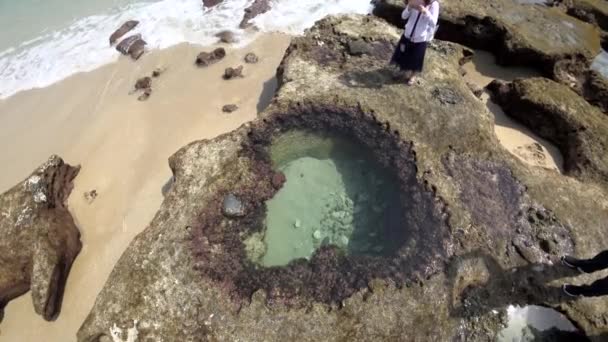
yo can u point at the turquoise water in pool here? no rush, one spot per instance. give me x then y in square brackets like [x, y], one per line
[335, 194]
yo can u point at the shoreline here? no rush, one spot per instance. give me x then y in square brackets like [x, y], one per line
[123, 146]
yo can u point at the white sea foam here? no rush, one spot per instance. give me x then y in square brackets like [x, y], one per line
[83, 44]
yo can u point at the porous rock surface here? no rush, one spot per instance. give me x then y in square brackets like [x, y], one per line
[38, 237]
[485, 230]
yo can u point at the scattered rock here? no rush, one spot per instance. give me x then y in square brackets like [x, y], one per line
[133, 46]
[317, 235]
[233, 207]
[38, 237]
[122, 30]
[297, 224]
[231, 73]
[90, 196]
[278, 179]
[518, 34]
[145, 95]
[257, 7]
[227, 37]
[251, 58]
[205, 59]
[229, 108]
[158, 71]
[143, 83]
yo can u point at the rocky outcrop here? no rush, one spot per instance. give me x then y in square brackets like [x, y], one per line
[38, 238]
[133, 46]
[122, 30]
[518, 34]
[478, 230]
[559, 115]
[211, 3]
[205, 59]
[595, 90]
[256, 8]
[592, 11]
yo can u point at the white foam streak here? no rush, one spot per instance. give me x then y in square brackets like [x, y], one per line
[83, 44]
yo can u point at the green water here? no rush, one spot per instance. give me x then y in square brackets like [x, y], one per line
[335, 194]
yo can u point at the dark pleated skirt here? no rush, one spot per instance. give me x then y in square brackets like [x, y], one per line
[409, 56]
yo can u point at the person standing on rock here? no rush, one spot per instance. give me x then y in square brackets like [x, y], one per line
[597, 263]
[422, 17]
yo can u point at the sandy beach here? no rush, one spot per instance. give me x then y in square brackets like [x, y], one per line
[123, 144]
[515, 137]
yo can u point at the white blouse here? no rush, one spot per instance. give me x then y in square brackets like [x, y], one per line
[427, 22]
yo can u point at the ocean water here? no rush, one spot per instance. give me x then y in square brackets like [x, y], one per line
[45, 41]
[335, 194]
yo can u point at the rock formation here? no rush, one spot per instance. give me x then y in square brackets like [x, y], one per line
[211, 3]
[132, 46]
[562, 117]
[251, 58]
[38, 238]
[229, 108]
[257, 7]
[205, 59]
[558, 45]
[122, 30]
[483, 229]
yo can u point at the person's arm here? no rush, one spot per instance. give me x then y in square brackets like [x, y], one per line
[432, 13]
[406, 12]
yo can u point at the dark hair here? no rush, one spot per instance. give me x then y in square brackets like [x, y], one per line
[428, 2]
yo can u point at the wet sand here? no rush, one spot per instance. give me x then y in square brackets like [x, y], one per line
[123, 145]
[515, 137]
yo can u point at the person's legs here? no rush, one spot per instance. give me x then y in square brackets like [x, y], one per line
[598, 288]
[598, 262]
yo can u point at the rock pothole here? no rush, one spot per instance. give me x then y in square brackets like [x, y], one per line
[351, 210]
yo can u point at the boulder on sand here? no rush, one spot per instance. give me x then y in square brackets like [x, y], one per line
[251, 58]
[231, 73]
[38, 237]
[205, 59]
[132, 46]
[122, 30]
